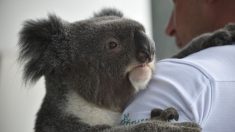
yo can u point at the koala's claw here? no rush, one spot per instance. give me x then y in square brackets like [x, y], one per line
[165, 115]
[170, 114]
[156, 112]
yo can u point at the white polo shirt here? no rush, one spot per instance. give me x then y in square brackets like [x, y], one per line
[201, 87]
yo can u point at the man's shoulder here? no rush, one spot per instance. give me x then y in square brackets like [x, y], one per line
[217, 62]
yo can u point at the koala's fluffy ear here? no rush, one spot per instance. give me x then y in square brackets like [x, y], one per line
[40, 44]
[108, 12]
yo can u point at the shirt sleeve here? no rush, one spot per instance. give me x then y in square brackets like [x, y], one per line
[177, 84]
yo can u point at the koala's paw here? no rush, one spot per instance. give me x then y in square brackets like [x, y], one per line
[164, 115]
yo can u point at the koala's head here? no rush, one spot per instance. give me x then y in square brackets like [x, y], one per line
[105, 59]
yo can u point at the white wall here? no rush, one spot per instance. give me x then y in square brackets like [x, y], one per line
[19, 104]
[166, 46]
[14, 12]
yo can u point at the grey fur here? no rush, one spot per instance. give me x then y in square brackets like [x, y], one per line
[75, 57]
[108, 12]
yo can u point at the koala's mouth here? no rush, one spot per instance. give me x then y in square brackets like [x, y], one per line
[141, 70]
[140, 74]
[140, 66]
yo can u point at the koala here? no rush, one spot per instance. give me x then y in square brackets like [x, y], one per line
[92, 69]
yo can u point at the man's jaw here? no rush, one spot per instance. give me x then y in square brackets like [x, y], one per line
[179, 43]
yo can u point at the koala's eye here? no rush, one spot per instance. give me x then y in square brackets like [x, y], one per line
[112, 45]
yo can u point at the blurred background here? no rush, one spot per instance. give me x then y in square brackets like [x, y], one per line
[18, 102]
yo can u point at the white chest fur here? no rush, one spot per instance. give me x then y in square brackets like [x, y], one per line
[90, 113]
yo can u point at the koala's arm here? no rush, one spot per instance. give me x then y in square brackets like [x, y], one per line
[157, 126]
[70, 124]
[224, 36]
[151, 126]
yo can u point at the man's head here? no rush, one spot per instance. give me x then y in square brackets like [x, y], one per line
[191, 18]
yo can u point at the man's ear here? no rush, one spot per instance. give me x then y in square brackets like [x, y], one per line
[40, 45]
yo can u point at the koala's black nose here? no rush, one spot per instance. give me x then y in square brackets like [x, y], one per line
[143, 57]
[145, 48]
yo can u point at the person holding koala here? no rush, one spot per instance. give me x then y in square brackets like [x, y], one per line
[200, 86]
